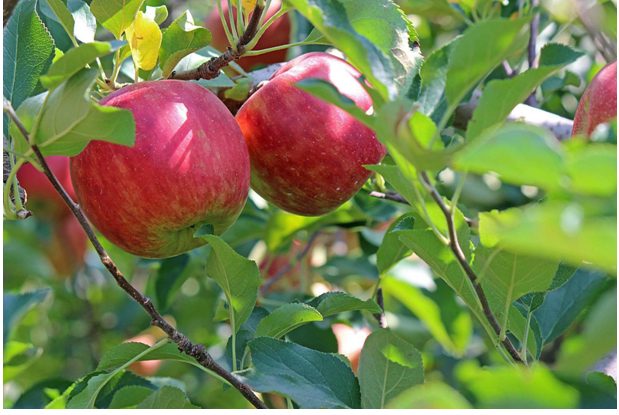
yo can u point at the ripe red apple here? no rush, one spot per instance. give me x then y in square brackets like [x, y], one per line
[67, 247]
[43, 200]
[189, 166]
[350, 342]
[276, 35]
[307, 156]
[145, 367]
[598, 103]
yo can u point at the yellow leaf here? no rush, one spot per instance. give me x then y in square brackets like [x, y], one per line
[144, 37]
[248, 7]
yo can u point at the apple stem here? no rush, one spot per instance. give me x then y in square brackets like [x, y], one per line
[211, 68]
[197, 351]
[455, 247]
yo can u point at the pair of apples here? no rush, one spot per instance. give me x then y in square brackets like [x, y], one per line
[192, 160]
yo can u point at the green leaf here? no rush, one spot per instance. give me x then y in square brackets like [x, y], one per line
[331, 19]
[396, 179]
[329, 93]
[129, 397]
[518, 153]
[85, 22]
[65, 18]
[432, 100]
[17, 357]
[506, 276]
[41, 393]
[169, 279]
[562, 306]
[69, 120]
[392, 250]
[157, 13]
[167, 398]
[501, 96]
[312, 379]
[388, 365]
[28, 51]
[470, 62]
[561, 231]
[237, 276]
[593, 169]
[14, 306]
[73, 61]
[431, 395]
[115, 15]
[515, 387]
[286, 318]
[85, 399]
[448, 323]
[332, 303]
[180, 39]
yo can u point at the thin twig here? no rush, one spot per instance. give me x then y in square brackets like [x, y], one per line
[532, 48]
[380, 317]
[196, 351]
[470, 273]
[211, 68]
[290, 265]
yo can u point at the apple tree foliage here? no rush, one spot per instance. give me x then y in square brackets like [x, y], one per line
[534, 218]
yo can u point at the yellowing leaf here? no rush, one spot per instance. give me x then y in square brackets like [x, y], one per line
[248, 7]
[144, 37]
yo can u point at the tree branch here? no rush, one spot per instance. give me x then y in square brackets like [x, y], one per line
[532, 48]
[7, 10]
[454, 245]
[197, 351]
[210, 69]
[290, 265]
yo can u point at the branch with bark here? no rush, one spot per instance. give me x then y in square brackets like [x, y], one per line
[455, 247]
[197, 351]
[211, 68]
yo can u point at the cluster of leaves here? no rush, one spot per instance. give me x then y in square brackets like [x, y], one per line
[545, 262]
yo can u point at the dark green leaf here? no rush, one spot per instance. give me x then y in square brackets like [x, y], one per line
[129, 396]
[388, 366]
[392, 250]
[169, 279]
[64, 16]
[312, 379]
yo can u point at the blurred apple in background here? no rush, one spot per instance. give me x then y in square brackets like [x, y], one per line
[276, 35]
[598, 103]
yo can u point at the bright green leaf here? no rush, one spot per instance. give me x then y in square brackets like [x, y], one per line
[332, 303]
[115, 15]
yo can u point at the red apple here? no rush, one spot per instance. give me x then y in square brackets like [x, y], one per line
[272, 264]
[43, 199]
[307, 156]
[189, 166]
[145, 367]
[276, 35]
[67, 247]
[598, 103]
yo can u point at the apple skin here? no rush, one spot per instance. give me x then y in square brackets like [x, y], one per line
[350, 342]
[189, 166]
[144, 368]
[598, 103]
[276, 35]
[307, 156]
[43, 200]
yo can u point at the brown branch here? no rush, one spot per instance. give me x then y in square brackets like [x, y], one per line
[290, 265]
[211, 68]
[197, 351]
[532, 48]
[380, 317]
[470, 273]
[7, 10]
